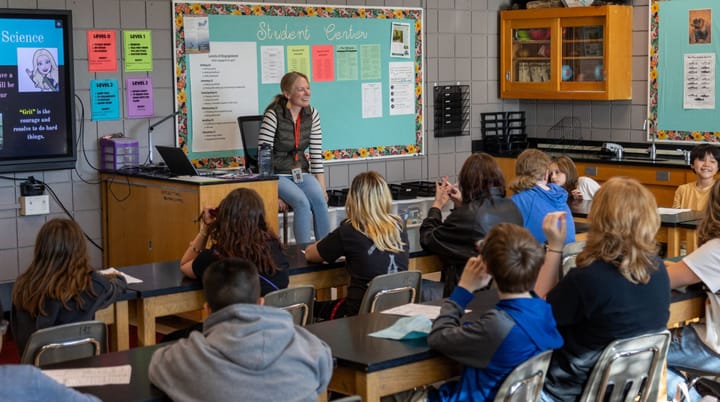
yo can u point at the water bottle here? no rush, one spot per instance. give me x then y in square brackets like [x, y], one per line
[265, 159]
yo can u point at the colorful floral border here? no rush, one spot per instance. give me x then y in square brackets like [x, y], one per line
[654, 56]
[206, 8]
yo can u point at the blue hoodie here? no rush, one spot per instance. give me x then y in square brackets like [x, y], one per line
[492, 346]
[534, 203]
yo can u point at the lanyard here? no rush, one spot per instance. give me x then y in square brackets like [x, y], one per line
[297, 135]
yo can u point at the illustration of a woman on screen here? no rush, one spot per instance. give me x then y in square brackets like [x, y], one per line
[45, 71]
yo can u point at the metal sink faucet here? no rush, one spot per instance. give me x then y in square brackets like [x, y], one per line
[616, 149]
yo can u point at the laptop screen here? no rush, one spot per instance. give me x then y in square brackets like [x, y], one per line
[177, 161]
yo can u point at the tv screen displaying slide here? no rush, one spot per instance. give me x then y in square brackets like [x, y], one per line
[36, 90]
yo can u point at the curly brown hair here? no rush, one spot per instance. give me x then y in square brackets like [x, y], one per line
[241, 230]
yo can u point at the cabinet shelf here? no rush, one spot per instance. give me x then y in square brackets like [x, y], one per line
[583, 58]
[579, 53]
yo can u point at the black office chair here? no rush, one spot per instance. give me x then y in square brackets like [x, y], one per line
[250, 133]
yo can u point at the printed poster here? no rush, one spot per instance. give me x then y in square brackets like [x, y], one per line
[699, 81]
[140, 98]
[402, 88]
[400, 41]
[104, 100]
[101, 49]
[137, 50]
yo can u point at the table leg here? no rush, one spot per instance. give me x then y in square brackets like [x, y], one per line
[122, 326]
[691, 240]
[673, 242]
[145, 323]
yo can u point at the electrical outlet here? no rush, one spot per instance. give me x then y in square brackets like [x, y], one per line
[35, 205]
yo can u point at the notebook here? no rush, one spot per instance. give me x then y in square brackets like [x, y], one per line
[178, 162]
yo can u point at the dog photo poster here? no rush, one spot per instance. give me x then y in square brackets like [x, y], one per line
[700, 22]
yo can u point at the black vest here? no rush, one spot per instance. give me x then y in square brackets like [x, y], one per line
[284, 145]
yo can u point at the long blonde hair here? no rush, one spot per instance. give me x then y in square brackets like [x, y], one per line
[368, 209]
[623, 224]
[60, 269]
[709, 227]
[531, 166]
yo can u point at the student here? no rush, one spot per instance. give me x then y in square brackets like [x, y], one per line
[564, 173]
[535, 196]
[59, 286]
[704, 163]
[238, 228]
[520, 326]
[480, 204]
[373, 241]
[246, 351]
[292, 126]
[697, 346]
[619, 289]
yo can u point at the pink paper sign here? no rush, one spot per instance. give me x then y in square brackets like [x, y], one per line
[323, 63]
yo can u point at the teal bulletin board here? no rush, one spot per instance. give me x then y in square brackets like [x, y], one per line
[683, 80]
[364, 64]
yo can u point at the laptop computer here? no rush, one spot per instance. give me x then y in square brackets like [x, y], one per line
[178, 162]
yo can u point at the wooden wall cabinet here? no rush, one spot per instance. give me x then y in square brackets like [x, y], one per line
[566, 53]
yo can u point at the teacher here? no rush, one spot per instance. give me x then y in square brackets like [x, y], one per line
[291, 126]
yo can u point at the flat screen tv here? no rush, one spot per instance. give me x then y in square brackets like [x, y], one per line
[37, 124]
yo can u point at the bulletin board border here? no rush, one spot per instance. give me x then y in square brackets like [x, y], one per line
[182, 8]
[655, 60]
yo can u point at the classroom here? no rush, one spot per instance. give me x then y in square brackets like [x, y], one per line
[599, 105]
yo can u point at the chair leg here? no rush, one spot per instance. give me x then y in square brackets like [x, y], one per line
[285, 228]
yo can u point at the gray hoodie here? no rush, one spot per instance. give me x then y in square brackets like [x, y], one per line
[247, 353]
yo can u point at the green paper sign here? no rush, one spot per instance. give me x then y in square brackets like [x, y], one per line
[137, 50]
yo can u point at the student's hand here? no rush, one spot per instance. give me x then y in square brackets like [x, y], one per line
[441, 194]
[455, 194]
[554, 227]
[208, 216]
[576, 194]
[475, 275]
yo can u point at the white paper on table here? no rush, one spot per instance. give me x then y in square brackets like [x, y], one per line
[197, 179]
[671, 211]
[128, 278]
[86, 377]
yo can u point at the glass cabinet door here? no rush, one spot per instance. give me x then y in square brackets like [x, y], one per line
[583, 54]
[531, 54]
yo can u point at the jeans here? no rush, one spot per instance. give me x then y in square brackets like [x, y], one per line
[688, 351]
[307, 200]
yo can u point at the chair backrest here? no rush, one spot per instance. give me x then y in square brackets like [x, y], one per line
[65, 342]
[525, 382]
[628, 369]
[298, 301]
[249, 133]
[390, 290]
